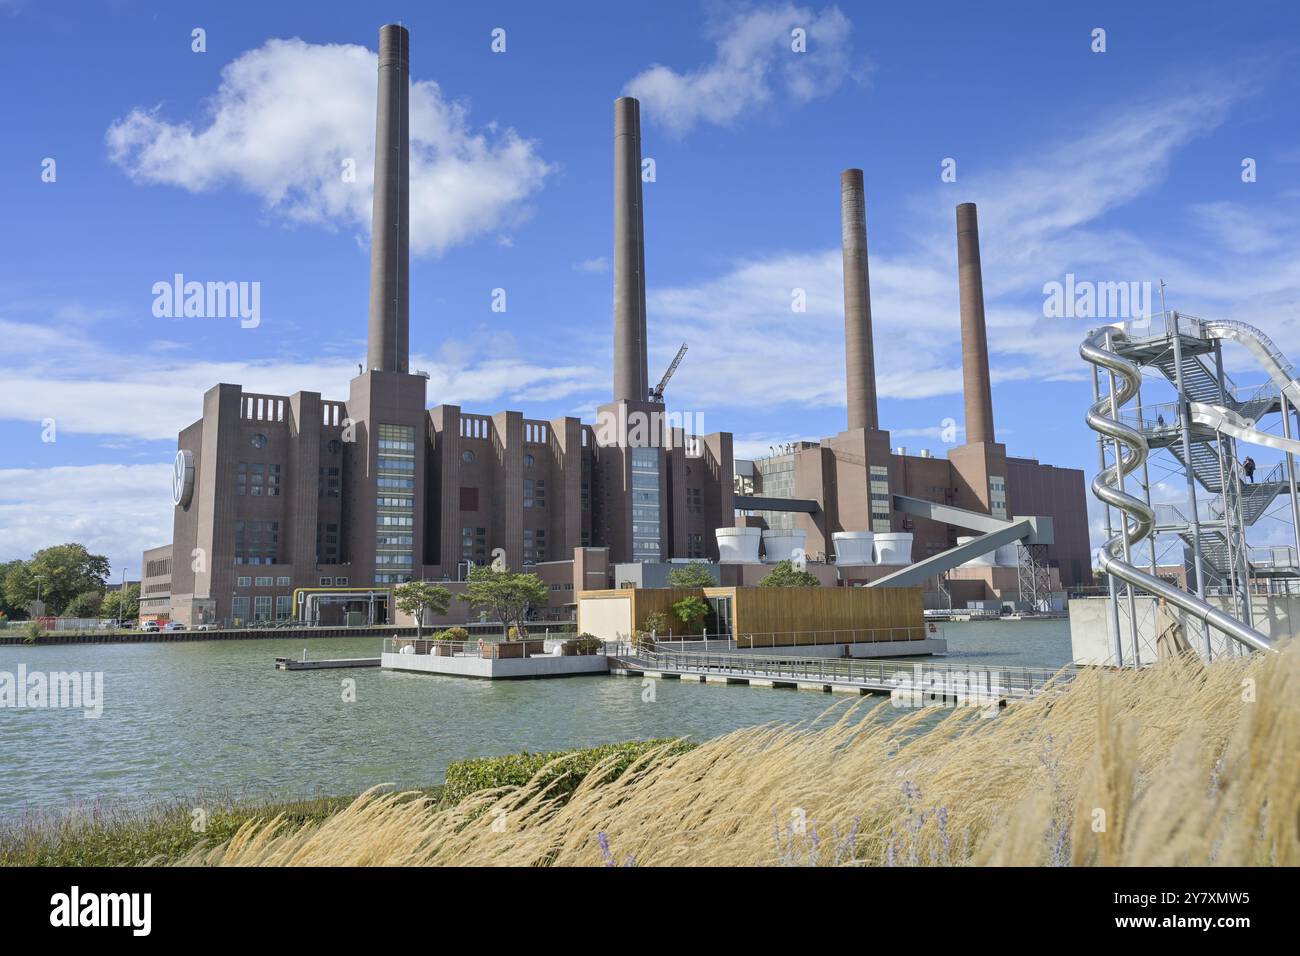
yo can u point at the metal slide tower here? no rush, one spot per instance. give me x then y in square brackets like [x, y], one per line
[1205, 430]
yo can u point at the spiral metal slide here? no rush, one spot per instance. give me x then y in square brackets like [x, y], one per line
[1137, 517]
[1262, 347]
[1240, 427]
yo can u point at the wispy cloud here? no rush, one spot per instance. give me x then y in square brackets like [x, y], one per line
[91, 388]
[1045, 215]
[108, 508]
[598, 265]
[755, 63]
[293, 123]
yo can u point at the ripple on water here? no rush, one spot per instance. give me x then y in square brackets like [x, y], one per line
[182, 719]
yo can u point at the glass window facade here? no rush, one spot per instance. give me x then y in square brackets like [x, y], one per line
[882, 505]
[395, 505]
[646, 506]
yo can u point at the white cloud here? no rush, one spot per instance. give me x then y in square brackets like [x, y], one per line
[289, 115]
[760, 444]
[114, 510]
[754, 65]
[598, 265]
[89, 388]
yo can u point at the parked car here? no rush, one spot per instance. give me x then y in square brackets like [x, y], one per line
[174, 626]
[125, 625]
[150, 626]
[205, 627]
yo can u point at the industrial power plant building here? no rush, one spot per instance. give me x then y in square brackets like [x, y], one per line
[280, 493]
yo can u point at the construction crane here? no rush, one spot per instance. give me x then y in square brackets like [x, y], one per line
[657, 393]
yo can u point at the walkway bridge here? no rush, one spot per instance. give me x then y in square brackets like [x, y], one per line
[933, 683]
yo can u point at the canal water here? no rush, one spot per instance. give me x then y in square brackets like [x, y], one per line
[181, 720]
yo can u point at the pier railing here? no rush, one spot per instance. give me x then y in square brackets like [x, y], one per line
[1023, 681]
[821, 638]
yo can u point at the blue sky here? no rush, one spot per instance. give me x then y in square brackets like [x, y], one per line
[1123, 165]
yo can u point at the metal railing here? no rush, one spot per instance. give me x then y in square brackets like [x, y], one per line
[877, 674]
[480, 647]
[820, 638]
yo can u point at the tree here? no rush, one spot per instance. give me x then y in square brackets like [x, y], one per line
[504, 594]
[56, 575]
[7, 608]
[786, 575]
[691, 611]
[119, 606]
[420, 597]
[656, 622]
[694, 575]
[85, 604]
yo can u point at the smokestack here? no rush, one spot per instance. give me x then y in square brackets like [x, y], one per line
[858, 352]
[974, 340]
[630, 378]
[389, 338]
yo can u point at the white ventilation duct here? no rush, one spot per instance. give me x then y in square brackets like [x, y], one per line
[780, 545]
[979, 561]
[1007, 556]
[738, 545]
[854, 548]
[894, 548]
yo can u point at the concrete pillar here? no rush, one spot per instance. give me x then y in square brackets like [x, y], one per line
[389, 335]
[858, 352]
[629, 256]
[974, 340]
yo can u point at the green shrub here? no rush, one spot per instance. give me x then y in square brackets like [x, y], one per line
[657, 622]
[32, 632]
[465, 777]
[585, 644]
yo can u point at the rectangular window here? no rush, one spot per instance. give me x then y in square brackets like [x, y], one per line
[473, 545]
[694, 545]
[262, 607]
[327, 482]
[239, 609]
[534, 545]
[325, 582]
[282, 582]
[263, 582]
[997, 496]
[243, 582]
[341, 582]
[283, 607]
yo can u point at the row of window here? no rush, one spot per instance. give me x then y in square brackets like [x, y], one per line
[534, 493]
[257, 478]
[534, 545]
[261, 581]
[327, 482]
[256, 542]
[262, 608]
[397, 438]
[327, 543]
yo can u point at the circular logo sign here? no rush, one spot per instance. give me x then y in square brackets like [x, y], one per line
[183, 478]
